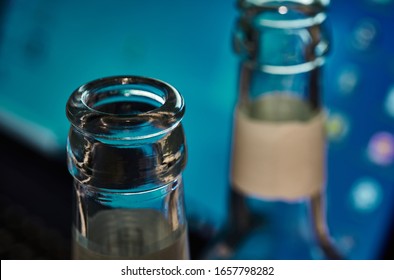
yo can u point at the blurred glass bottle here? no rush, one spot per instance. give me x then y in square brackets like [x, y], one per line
[126, 152]
[277, 173]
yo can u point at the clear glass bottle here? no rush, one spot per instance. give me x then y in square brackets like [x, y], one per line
[277, 172]
[126, 151]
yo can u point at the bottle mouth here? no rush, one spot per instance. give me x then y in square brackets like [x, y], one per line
[285, 14]
[298, 28]
[276, 3]
[125, 108]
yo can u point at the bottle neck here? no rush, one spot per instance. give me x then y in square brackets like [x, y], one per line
[275, 229]
[134, 225]
[274, 33]
[281, 46]
[254, 84]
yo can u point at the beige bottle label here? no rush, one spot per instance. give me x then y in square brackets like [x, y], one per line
[278, 160]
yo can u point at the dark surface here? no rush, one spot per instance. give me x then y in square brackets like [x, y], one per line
[35, 207]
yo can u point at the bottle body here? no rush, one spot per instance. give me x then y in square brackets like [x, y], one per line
[278, 153]
[126, 152]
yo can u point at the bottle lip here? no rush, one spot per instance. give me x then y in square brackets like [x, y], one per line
[275, 3]
[166, 108]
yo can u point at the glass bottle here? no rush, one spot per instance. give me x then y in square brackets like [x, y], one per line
[277, 172]
[126, 151]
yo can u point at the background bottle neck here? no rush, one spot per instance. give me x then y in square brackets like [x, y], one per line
[281, 33]
[255, 83]
[281, 46]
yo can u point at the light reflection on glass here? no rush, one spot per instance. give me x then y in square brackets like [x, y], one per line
[282, 10]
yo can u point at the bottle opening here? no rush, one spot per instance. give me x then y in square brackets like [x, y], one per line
[124, 99]
[125, 108]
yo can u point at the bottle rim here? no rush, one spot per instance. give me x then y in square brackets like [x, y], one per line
[85, 111]
[275, 3]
